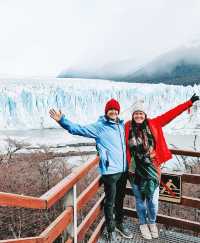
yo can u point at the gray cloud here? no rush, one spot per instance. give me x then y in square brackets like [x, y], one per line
[45, 37]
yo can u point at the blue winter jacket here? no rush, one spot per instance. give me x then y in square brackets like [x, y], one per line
[110, 142]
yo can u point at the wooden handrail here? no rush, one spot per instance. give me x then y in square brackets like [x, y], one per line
[59, 190]
[52, 196]
[59, 225]
[191, 178]
[89, 219]
[168, 220]
[185, 201]
[51, 233]
[24, 240]
[70, 240]
[190, 202]
[185, 152]
[88, 193]
[15, 200]
[96, 234]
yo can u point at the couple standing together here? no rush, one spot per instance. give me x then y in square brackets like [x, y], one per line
[133, 150]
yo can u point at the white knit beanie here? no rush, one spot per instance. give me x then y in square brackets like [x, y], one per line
[138, 106]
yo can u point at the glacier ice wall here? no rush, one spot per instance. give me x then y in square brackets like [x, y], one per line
[24, 104]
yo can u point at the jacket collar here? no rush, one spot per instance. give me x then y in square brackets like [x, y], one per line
[105, 119]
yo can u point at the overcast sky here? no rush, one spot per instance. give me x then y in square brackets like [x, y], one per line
[43, 37]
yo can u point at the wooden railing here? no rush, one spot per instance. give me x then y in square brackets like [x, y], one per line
[65, 224]
[185, 200]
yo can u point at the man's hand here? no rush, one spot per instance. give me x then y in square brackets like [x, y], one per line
[194, 98]
[56, 115]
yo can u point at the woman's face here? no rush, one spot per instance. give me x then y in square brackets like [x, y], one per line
[139, 117]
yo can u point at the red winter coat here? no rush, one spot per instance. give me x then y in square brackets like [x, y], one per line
[161, 150]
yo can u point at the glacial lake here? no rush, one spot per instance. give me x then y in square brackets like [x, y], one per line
[54, 137]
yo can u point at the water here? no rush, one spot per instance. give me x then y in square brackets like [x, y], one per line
[56, 137]
[47, 137]
[53, 137]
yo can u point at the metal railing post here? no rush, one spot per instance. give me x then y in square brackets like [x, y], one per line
[75, 213]
[70, 199]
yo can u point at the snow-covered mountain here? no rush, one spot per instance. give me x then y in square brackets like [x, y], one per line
[116, 71]
[180, 66]
[24, 104]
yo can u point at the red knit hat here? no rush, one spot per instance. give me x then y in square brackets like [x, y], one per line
[112, 104]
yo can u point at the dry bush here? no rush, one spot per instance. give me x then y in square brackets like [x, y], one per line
[23, 176]
[187, 163]
[12, 147]
[33, 174]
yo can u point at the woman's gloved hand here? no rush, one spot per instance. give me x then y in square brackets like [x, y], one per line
[194, 98]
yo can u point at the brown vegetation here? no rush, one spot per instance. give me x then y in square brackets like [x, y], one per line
[35, 173]
[29, 174]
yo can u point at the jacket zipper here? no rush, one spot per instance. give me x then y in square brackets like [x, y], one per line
[122, 145]
[107, 161]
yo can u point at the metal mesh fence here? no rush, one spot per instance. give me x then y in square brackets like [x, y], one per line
[165, 236]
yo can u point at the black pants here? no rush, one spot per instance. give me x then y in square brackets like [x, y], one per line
[114, 187]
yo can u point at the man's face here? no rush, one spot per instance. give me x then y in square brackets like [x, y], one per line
[139, 117]
[112, 114]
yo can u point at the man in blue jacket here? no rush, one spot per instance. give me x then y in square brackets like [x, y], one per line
[108, 133]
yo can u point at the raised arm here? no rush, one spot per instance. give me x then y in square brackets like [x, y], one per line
[90, 131]
[173, 113]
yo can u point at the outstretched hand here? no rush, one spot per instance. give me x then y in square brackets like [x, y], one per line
[194, 98]
[56, 115]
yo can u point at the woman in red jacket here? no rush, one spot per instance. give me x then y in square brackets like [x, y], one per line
[146, 151]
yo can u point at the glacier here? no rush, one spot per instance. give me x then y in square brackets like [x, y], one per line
[25, 103]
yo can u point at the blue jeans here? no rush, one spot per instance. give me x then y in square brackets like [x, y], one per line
[147, 209]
